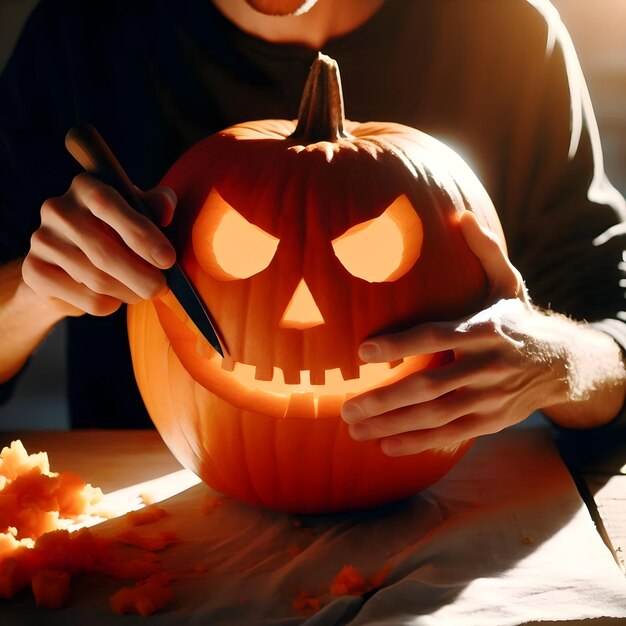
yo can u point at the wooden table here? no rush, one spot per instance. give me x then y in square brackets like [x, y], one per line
[482, 496]
[600, 474]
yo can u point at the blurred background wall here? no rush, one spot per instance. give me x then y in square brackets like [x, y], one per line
[598, 28]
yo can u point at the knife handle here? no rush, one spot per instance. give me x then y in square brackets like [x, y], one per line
[86, 145]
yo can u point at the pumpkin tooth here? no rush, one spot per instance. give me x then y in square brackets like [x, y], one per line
[395, 363]
[349, 372]
[301, 405]
[264, 372]
[228, 363]
[292, 377]
[318, 377]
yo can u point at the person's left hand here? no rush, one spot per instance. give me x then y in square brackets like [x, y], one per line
[506, 365]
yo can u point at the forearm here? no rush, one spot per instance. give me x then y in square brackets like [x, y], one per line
[25, 320]
[595, 376]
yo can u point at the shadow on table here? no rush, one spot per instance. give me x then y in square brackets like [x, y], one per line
[472, 542]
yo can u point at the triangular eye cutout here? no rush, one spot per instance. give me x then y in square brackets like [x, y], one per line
[227, 245]
[302, 311]
[385, 248]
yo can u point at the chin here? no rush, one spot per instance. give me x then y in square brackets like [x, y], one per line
[281, 7]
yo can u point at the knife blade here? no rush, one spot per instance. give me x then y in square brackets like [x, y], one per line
[88, 147]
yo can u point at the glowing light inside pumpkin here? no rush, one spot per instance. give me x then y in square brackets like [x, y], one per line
[302, 311]
[326, 395]
[385, 248]
[320, 386]
[370, 374]
[227, 245]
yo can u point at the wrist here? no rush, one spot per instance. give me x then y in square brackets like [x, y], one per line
[593, 370]
[25, 319]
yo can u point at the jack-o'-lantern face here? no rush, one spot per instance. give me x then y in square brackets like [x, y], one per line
[302, 246]
[298, 273]
[306, 339]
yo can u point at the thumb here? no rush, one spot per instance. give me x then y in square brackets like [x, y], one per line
[162, 200]
[504, 279]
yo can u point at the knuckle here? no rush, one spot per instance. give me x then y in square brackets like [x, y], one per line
[438, 414]
[51, 208]
[81, 184]
[99, 253]
[377, 402]
[455, 432]
[82, 180]
[497, 399]
[99, 199]
[97, 304]
[433, 333]
[428, 384]
[37, 239]
[396, 424]
[29, 272]
[41, 238]
[94, 194]
[98, 283]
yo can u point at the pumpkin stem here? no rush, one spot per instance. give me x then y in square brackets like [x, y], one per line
[321, 113]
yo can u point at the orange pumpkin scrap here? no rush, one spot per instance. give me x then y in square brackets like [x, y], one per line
[51, 589]
[304, 238]
[145, 598]
[306, 603]
[34, 500]
[36, 548]
[146, 515]
[349, 582]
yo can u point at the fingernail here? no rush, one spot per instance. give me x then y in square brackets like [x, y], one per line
[351, 412]
[369, 351]
[164, 256]
[391, 448]
[359, 431]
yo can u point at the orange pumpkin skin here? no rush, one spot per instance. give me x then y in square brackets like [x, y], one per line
[242, 429]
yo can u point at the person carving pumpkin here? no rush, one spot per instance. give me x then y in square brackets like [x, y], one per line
[497, 81]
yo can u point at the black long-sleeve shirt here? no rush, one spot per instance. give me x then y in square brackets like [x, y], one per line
[497, 81]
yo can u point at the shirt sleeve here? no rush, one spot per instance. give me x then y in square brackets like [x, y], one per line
[572, 229]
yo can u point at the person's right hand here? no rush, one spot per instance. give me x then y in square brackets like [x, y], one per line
[92, 251]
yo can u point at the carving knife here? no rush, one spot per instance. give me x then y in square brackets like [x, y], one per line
[88, 147]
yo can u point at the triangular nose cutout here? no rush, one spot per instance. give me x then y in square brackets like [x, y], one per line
[302, 312]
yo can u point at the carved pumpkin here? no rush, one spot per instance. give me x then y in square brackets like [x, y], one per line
[305, 238]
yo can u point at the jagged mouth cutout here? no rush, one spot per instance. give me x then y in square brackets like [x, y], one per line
[228, 247]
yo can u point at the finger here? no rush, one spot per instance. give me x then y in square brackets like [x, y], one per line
[452, 434]
[427, 338]
[138, 232]
[426, 416]
[102, 246]
[415, 388]
[55, 250]
[503, 278]
[50, 281]
[162, 201]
